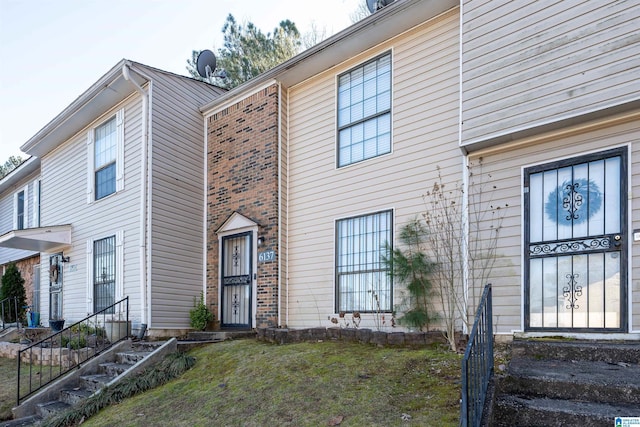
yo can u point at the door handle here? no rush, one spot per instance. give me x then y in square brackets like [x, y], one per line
[617, 241]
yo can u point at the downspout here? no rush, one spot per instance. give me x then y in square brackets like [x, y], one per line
[279, 204]
[144, 294]
[465, 186]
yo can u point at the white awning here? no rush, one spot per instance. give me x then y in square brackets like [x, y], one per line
[41, 239]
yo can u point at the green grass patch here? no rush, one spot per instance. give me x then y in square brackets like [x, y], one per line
[248, 383]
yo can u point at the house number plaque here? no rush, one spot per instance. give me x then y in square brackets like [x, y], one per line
[267, 256]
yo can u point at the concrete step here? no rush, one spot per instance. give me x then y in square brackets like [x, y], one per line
[602, 351]
[32, 420]
[131, 357]
[113, 369]
[48, 409]
[74, 396]
[95, 382]
[146, 345]
[599, 382]
[539, 412]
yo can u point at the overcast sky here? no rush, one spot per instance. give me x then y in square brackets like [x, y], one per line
[51, 51]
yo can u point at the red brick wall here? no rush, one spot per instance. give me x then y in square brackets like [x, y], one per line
[242, 154]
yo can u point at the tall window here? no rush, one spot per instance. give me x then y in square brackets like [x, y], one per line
[105, 153]
[364, 111]
[104, 272]
[20, 211]
[362, 279]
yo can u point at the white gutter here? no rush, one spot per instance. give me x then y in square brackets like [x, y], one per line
[145, 293]
[465, 185]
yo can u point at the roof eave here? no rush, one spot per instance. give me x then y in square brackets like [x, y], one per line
[384, 24]
[108, 91]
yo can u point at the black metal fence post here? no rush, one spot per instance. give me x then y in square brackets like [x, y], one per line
[477, 363]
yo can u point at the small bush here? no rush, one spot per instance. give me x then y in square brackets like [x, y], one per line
[74, 343]
[200, 315]
[13, 286]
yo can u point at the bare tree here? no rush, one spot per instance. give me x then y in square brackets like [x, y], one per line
[361, 12]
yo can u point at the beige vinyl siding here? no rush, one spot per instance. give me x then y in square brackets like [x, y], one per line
[424, 135]
[177, 196]
[64, 201]
[528, 64]
[503, 168]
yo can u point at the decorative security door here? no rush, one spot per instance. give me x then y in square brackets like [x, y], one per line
[237, 278]
[55, 286]
[576, 244]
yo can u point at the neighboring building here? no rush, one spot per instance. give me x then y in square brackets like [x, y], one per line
[551, 106]
[19, 210]
[313, 165]
[120, 189]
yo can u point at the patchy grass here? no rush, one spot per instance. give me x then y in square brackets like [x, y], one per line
[250, 383]
[9, 375]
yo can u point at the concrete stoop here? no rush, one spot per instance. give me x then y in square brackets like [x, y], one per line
[584, 383]
[126, 359]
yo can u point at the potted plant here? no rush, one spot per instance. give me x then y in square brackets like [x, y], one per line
[117, 328]
[56, 325]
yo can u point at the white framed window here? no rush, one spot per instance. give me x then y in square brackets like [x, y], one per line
[364, 111]
[105, 157]
[20, 209]
[363, 282]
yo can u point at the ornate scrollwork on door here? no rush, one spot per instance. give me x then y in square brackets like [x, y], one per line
[572, 291]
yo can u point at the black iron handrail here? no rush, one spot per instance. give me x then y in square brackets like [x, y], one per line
[84, 340]
[10, 313]
[477, 363]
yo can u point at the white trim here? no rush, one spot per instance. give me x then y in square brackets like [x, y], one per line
[120, 150]
[90, 168]
[15, 210]
[119, 288]
[36, 204]
[25, 210]
[90, 276]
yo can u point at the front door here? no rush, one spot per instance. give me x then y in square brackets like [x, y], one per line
[237, 279]
[576, 244]
[55, 286]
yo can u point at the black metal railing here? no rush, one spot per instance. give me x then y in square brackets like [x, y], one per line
[9, 312]
[477, 363]
[43, 362]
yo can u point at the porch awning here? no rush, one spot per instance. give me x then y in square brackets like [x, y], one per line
[41, 239]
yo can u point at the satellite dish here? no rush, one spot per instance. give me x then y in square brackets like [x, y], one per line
[374, 5]
[206, 63]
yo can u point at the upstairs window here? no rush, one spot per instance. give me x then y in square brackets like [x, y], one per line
[105, 154]
[20, 217]
[364, 111]
[21, 209]
[105, 159]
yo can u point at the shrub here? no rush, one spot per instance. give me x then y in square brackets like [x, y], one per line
[200, 315]
[13, 286]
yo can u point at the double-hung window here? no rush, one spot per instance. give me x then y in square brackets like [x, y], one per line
[104, 272]
[105, 154]
[105, 159]
[364, 111]
[363, 282]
